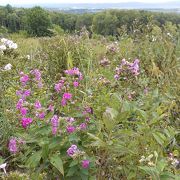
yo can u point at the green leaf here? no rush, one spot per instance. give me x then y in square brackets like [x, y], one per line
[160, 138]
[69, 61]
[109, 118]
[34, 159]
[72, 171]
[73, 163]
[57, 163]
[152, 171]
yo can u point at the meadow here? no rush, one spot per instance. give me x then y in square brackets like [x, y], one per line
[91, 106]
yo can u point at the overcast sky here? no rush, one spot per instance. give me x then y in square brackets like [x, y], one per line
[4, 2]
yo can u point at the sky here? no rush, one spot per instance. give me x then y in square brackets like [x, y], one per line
[14, 2]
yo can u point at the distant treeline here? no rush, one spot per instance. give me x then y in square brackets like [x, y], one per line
[38, 22]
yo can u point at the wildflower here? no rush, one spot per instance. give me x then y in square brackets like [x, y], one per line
[26, 122]
[41, 115]
[28, 57]
[37, 105]
[104, 62]
[7, 67]
[74, 72]
[83, 126]
[70, 119]
[134, 67]
[70, 129]
[51, 108]
[19, 92]
[63, 102]
[88, 110]
[2, 47]
[3, 166]
[67, 96]
[24, 79]
[87, 119]
[23, 111]
[27, 92]
[85, 164]
[54, 124]
[13, 145]
[40, 84]
[19, 104]
[37, 74]
[116, 76]
[59, 85]
[75, 84]
[3, 40]
[72, 150]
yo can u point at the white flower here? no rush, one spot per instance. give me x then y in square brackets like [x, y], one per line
[2, 47]
[8, 67]
[3, 166]
[13, 46]
[28, 56]
[3, 40]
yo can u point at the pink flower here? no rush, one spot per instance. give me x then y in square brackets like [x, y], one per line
[54, 124]
[24, 79]
[75, 84]
[74, 72]
[51, 108]
[87, 119]
[26, 122]
[85, 164]
[27, 92]
[19, 104]
[41, 115]
[40, 84]
[23, 111]
[19, 92]
[37, 105]
[63, 102]
[72, 150]
[83, 126]
[70, 119]
[59, 85]
[37, 74]
[70, 129]
[67, 96]
[116, 76]
[13, 145]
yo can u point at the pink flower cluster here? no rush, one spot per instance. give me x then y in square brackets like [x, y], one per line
[37, 78]
[127, 67]
[74, 72]
[13, 146]
[72, 150]
[23, 93]
[58, 87]
[14, 143]
[70, 129]
[24, 78]
[54, 124]
[26, 122]
[65, 98]
[85, 163]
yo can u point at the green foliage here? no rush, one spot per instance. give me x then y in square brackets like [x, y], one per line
[134, 128]
[38, 22]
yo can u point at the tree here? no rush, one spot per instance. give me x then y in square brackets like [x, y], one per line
[38, 22]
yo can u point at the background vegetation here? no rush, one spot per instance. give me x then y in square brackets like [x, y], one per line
[132, 121]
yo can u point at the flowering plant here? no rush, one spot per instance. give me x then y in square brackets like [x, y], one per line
[55, 124]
